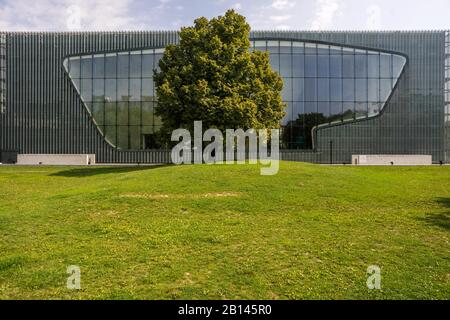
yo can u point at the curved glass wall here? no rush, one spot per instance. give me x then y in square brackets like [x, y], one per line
[322, 84]
[118, 90]
[327, 83]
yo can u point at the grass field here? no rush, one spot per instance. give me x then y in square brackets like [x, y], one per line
[225, 232]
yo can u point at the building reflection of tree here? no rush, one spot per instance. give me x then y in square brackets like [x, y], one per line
[297, 134]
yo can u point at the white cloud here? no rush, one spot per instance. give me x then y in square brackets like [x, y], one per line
[237, 6]
[325, 13]
[280, 18]
[163, 4]
[66, 15]
[282, 4]
[373, 17]
[282, 27]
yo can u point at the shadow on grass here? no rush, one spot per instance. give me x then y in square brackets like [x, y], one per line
[441, 220]
[94, 171]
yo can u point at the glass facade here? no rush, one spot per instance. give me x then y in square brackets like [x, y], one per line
[327, 83]
[118, 90]
[2, 73]
[322, 84]
[447, 94]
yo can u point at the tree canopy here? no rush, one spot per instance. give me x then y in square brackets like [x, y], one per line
[213, 76]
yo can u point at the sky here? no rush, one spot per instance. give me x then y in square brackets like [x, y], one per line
[93, 15]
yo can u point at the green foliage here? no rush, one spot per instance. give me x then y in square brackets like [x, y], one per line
[212, 76]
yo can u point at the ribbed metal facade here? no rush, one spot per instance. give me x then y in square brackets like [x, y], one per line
[44, 113]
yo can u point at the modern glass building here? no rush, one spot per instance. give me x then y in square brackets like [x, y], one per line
[346, 93]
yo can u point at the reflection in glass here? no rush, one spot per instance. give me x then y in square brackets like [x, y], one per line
[322, 84]
[310, 66]
[99, 66]
[336, 66]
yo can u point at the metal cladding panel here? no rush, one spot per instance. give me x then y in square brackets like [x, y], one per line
[45, 115]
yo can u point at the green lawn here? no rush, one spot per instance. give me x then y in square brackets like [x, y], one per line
[225, 232]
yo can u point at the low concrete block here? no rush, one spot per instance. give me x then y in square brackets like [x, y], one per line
[389, 160]
[56, 159]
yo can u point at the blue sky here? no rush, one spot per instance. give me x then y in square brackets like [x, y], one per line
[64, 15]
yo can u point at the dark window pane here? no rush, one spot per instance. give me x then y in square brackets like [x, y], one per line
[287, 90]
[123, 65]
[135, 113]
[298, 65]
[110, 113]
[310, 90]
[286, 65]
[147, 65]
[122, 90]
[335, 109]
[323, 108]
[147, 89]
[310, 107]
[310, 66]
[135, 65]
[86, 67]
[135, 137]
[99, 66]
[336, 66]
[385, 66]
[122, 113]
[298, 89]
[348, 67]
[374, 66]
[147, 113]
[361, 66]
[298, 110]
[288, 116]
[374, 90]
[323, 65]
[348, 110]
[275, 62]
[135, 89]
[110, 90]
[348, 90]
[336, 89]
[361, 89]
[74, 68]
[122, 137]
[99, 90]
[323, 90]
[111, 66]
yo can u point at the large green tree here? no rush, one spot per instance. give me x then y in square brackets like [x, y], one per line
[212, 75]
